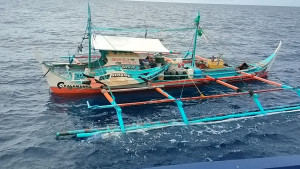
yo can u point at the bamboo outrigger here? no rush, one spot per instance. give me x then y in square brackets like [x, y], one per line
[118, 68]
[184, 119]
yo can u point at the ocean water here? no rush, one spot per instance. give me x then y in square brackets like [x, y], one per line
[30, 115]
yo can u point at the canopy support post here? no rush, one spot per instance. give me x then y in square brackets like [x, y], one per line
[197, 21]
[255, 98]
[178, 102]
[89, 35]
[118, 109]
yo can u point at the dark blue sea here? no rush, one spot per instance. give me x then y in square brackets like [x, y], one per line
[30, 115]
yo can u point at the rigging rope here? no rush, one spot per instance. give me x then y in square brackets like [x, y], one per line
[182, 89]
[201, 94]
[207, 39]
[249, 87]
[142, 30]
[286, 83]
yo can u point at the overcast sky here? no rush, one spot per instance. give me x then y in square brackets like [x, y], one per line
[240, 2]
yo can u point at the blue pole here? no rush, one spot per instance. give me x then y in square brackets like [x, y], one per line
[118, 109]
[154, 125]
[119, 115]
[90, 35]
[178, 102]
[197, 21]
[292, 88]
[255, 98]
[181, 110]
[298, 92]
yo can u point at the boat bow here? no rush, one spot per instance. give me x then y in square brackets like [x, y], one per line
[268, 62]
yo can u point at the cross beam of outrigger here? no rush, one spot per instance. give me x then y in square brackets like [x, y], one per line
[122, 128]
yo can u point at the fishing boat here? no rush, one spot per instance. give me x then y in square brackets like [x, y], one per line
[129, 63]
[126, 64]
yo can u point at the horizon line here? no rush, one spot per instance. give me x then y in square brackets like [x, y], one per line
[163, 1]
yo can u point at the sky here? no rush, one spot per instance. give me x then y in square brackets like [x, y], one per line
[239, 2]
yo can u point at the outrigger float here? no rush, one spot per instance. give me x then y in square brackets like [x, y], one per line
[121, 128]
[123, 64]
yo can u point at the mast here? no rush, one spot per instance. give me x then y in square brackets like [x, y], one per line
[196, 20]
[89, 34]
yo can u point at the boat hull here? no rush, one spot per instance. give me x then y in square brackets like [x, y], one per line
[60, 85]
[75, 89]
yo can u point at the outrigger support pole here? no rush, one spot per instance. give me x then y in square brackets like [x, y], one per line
[272, 83]
[298, 92]
[255, 98]
[181, 99]
[225, 84]
[160, 124]
[292, 88]
[177, 101]
[118, 109]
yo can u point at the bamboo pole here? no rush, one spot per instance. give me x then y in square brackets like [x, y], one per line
[188, 98]
[263, 80]
[225, 84]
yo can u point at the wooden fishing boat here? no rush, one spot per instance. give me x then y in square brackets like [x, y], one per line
[125, 64]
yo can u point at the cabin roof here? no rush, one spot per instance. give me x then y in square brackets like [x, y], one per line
[128, 44]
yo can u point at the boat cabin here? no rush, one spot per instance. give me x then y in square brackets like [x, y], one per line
[128, 52]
